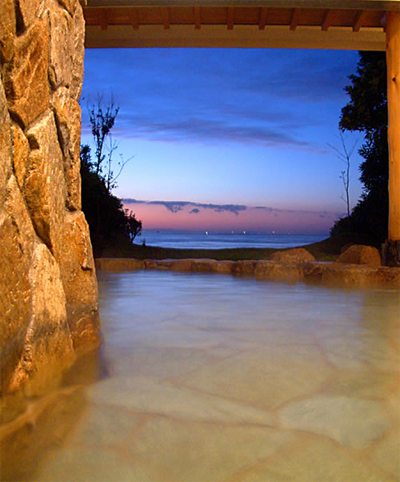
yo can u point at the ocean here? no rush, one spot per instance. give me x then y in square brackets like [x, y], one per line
[209, 240]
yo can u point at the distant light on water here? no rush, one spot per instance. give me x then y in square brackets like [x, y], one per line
[212, 240]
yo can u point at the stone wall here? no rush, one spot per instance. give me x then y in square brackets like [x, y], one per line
[48, 289]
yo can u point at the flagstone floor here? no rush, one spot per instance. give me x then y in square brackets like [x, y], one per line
[214, 378]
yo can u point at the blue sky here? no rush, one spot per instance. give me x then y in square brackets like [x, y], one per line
[227, 126]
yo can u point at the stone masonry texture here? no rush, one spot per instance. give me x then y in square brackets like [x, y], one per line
[48, 287]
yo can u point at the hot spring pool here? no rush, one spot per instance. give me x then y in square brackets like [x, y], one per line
[217, 378]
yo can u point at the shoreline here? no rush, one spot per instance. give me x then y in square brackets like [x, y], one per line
[328, 249]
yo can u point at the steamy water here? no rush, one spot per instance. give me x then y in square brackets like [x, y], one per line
[217, 378]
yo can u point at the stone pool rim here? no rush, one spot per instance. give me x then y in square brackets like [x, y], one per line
[311, 272]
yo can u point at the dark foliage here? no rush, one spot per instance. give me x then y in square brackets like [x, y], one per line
[109, 223]
[366, 112]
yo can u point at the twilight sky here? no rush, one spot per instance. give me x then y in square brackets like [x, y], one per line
[211, 128]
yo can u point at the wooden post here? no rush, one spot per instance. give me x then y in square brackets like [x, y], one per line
[393, 94]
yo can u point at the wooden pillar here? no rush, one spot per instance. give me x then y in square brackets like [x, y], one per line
[393, 76]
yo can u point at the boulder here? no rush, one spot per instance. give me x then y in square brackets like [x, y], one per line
[295, 255]
[26, 75]
[360, 254]
[44, 188]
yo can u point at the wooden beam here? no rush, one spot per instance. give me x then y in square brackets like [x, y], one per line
[166, 17]
[393, 97]
[263, 18]
[384, 5]
[197, 18]
[231, 18]
[294, 19]
[327, 21]
[358, 20]
[134, 17]
[103, 20]
[242, 36]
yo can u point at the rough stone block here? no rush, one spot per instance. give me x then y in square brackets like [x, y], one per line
[68, 119]
[244, 268]
[224, 267]
[274, 271]
[44, 185]
[119, 264]
[17, 237]
[359, 254]
[80, 284]
[30, 10]
[389, 277]
[78, 52]
[7, 29]
[204, 265]
[48, 348]
[26, 76]
[182, 265]
[5, 145]
[295, 255]
[341, 275]
[14, 300]
[313, 272]
[69, 5]
[161, 265]
[61, 46]
[20, 156]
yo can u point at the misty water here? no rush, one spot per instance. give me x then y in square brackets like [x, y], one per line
[212, 377]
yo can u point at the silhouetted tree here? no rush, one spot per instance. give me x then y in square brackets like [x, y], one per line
[109, 222]
[344, 154]
[102, 119]
[366, 112]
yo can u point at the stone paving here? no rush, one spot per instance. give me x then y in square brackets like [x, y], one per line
[215, 378]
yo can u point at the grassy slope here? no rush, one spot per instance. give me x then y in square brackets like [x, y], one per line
[326, 250]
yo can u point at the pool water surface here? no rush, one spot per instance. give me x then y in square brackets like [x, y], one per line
[218, 378]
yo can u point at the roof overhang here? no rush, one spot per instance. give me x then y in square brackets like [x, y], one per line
[318, 24]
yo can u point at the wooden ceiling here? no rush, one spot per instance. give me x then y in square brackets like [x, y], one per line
[110, 24]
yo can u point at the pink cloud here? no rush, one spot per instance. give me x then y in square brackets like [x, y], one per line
[196, 217]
